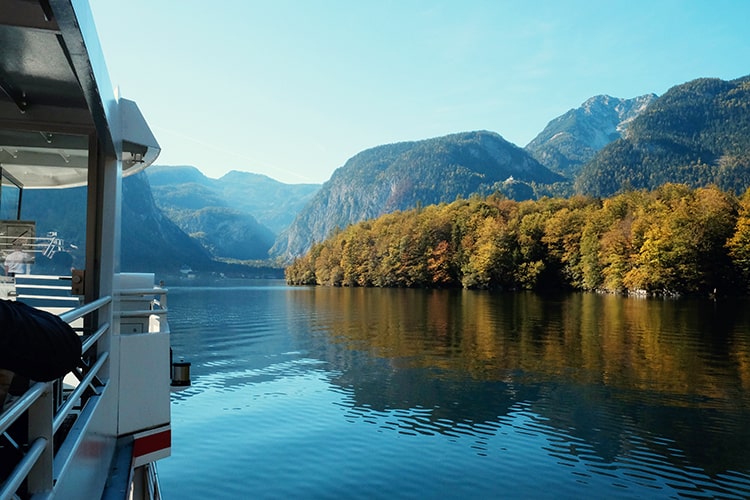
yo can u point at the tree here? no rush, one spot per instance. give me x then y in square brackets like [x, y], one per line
[675, 239]
[739, 244]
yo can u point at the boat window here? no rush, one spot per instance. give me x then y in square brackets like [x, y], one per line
[43, 197]
[10, 196]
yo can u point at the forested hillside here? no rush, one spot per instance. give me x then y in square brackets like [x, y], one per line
[673, 240]
[404, 175]
[697, 133]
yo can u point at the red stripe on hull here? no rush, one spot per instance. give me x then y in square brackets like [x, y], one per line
[151, 443]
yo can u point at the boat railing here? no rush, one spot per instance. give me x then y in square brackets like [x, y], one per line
[49, 291]
[145, 307]
[56, 417]
[153, 489]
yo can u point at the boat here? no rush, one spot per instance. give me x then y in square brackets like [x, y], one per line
[98, 431]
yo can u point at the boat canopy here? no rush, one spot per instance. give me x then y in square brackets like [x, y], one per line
[56, 99]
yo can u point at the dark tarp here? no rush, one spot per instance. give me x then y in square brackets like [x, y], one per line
[36, 344]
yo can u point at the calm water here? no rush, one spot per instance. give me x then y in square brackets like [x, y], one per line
[367, 393]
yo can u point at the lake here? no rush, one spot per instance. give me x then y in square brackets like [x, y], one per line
[303, 392]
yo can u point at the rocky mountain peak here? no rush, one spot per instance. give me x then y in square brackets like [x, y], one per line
[572, 139]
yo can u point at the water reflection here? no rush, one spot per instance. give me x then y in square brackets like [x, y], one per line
[605, 379]
[411, 393]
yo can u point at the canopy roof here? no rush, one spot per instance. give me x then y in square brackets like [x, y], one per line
[56, 97]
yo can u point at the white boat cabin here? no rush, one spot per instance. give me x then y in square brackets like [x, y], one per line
[97, 432]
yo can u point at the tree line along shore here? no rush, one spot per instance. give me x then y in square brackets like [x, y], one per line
[674, 240]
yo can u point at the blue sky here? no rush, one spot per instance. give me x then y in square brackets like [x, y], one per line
[292, 89]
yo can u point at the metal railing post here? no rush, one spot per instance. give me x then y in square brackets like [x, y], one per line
[41, 414]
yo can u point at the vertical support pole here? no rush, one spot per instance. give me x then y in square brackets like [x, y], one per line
[102, 229]
[41, 415]
[102, 261]
[93, 222]
[104, 198]
[163, 302]
[139, 485]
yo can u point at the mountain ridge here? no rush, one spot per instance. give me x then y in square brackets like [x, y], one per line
[573, 138]
[236, 216]
[697, 133]
[403, 175]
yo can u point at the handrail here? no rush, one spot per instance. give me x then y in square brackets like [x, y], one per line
[45, 287]
[52, 445]
[139, 313]
[63, 411]
[44, 277]
[23, 468]
[21, 405]
[85, 309]
[153, 481]
[26, 405]
[47, 297]
[142, 291]
[73, 443]
[91, 340]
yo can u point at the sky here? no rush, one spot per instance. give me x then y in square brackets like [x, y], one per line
[293, 89]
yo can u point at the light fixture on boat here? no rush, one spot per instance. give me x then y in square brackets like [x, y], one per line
[133, 158]
[180, 372]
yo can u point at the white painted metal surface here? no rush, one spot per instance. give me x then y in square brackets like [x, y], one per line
[61, 124]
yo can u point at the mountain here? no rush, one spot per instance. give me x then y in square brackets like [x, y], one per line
[572, 139]
[408, 174]
[150, 241]
[697, 133]
[227, 215]
[226, 233]
[274, 204]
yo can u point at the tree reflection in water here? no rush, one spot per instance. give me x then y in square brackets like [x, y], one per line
[602, 378]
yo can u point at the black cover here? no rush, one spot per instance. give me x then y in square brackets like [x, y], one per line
[36, 344]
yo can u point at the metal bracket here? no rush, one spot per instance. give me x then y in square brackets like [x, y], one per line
[77, 282]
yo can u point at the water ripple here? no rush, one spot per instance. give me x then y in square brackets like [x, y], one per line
[322, 394]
